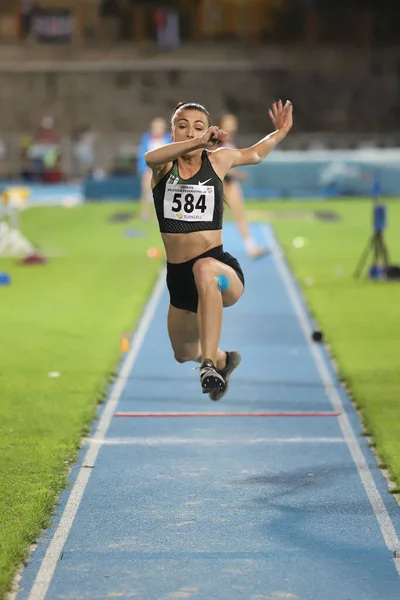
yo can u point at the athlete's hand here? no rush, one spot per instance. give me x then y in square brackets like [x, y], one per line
[213, 136]
[282, 116]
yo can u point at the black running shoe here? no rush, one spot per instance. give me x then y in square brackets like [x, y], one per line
[211, 380]
[232, 361]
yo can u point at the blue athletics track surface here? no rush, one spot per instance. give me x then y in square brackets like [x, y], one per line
[271, 493]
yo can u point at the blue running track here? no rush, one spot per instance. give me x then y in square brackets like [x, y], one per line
[225, 507]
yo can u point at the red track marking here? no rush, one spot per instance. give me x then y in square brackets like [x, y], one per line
[227, 414]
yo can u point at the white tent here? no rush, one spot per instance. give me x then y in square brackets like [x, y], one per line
[12, 242]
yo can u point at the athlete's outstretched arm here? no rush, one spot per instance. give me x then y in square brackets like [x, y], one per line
[156, 159]
[281, 117]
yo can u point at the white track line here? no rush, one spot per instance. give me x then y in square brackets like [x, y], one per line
[172, 441]
[379, 508]
[49, 563]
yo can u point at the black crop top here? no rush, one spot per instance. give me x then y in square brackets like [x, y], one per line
[188, 205]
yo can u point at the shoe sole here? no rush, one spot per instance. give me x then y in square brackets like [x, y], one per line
[211, 384]
[224, 390]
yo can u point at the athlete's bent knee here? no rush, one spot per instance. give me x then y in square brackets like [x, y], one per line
[180, 358]
[204, 270]
[187, 354]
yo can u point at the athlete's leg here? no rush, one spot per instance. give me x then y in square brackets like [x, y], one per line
[235, 200]
[184, 336]
[212, 301]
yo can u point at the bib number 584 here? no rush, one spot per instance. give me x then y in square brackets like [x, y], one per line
[187, 203]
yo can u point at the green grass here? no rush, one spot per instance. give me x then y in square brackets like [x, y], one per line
[66, 316]
[360, 318]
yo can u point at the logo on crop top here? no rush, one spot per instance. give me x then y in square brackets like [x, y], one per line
[172, 180]
[204, 182]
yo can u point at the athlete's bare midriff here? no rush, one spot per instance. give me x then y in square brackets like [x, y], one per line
[181, 247]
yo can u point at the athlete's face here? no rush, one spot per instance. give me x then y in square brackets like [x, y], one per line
[189, 124]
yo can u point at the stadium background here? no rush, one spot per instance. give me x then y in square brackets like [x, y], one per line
[80, 81]
[100, 71]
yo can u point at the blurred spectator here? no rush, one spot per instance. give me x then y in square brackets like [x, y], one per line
[27, 8]
[110, 25]
[83, 151]
[42, 157]
[166, 23]
[3, 152]
[26, 171]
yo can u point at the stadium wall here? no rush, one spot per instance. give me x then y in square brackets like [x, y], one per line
[327, 97]
[285, 174]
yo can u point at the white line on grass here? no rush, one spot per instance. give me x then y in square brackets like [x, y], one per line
[49, 562]
[379, 508]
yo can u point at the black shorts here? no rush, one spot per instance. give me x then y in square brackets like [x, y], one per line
[180, 279]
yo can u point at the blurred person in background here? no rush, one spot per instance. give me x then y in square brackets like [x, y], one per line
[44, 154]
[166, 24]
[25, 163]
[26, 11]
[83, 140]
[233, 190]
[155, 137]
[109, 20]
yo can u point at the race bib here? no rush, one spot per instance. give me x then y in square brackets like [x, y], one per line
[189, 202]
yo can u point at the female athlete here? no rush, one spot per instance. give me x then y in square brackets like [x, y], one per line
[202, 279]
[233, 190]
